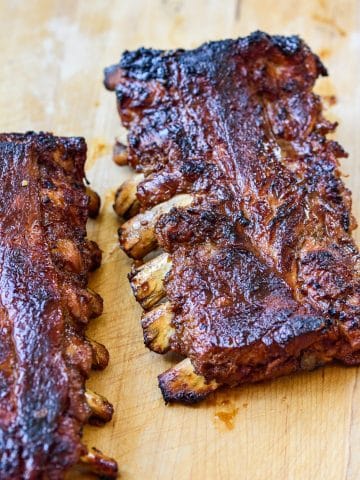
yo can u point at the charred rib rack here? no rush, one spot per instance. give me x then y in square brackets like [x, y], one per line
[45, 305]
[260, 275]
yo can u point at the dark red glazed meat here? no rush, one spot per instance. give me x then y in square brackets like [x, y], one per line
[239, 185]
[45, 260]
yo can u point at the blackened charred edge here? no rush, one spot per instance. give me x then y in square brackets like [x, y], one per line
[186, 397]
[150, 64]
[145, 64]
[72, 145]
[301, 326]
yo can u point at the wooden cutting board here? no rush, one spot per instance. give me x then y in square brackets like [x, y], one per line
[52, 55]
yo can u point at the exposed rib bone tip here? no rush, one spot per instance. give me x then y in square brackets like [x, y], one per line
[125, 197]
[84, 304]
[182, 385]
[157, 328]
[137, 235]
[94, 254]
[101, 409]
[120, 153]
[95, 303]
[96, 463]
[147, 281]
[94, 202]
[100, 355]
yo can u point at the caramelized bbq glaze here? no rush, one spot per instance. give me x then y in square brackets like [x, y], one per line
[45, 260]
[264, 277]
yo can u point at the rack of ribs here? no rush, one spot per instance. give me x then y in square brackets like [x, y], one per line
[45, 305]
[238, 185]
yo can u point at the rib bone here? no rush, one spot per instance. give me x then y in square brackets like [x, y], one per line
[157, 328]
[125, 198]
[137, 236]
[93, 253]
[182, 384]
[95, 462]
[100, 355]
[120, 153]
[101, 410]
[147, 280]
[84, 304]
[94, 202]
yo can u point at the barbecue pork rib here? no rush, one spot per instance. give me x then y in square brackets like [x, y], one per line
[45, 305]
[238, 184]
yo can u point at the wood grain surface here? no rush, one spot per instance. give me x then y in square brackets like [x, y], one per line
[52, 55]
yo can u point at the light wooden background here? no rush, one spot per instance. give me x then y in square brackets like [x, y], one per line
[51, 57]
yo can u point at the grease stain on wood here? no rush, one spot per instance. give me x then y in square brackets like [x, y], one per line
[330, 22]
[226, 415]
[98, 147]
[325, 53]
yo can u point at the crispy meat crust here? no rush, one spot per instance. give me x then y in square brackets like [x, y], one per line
[264, 277]
[45, 260]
